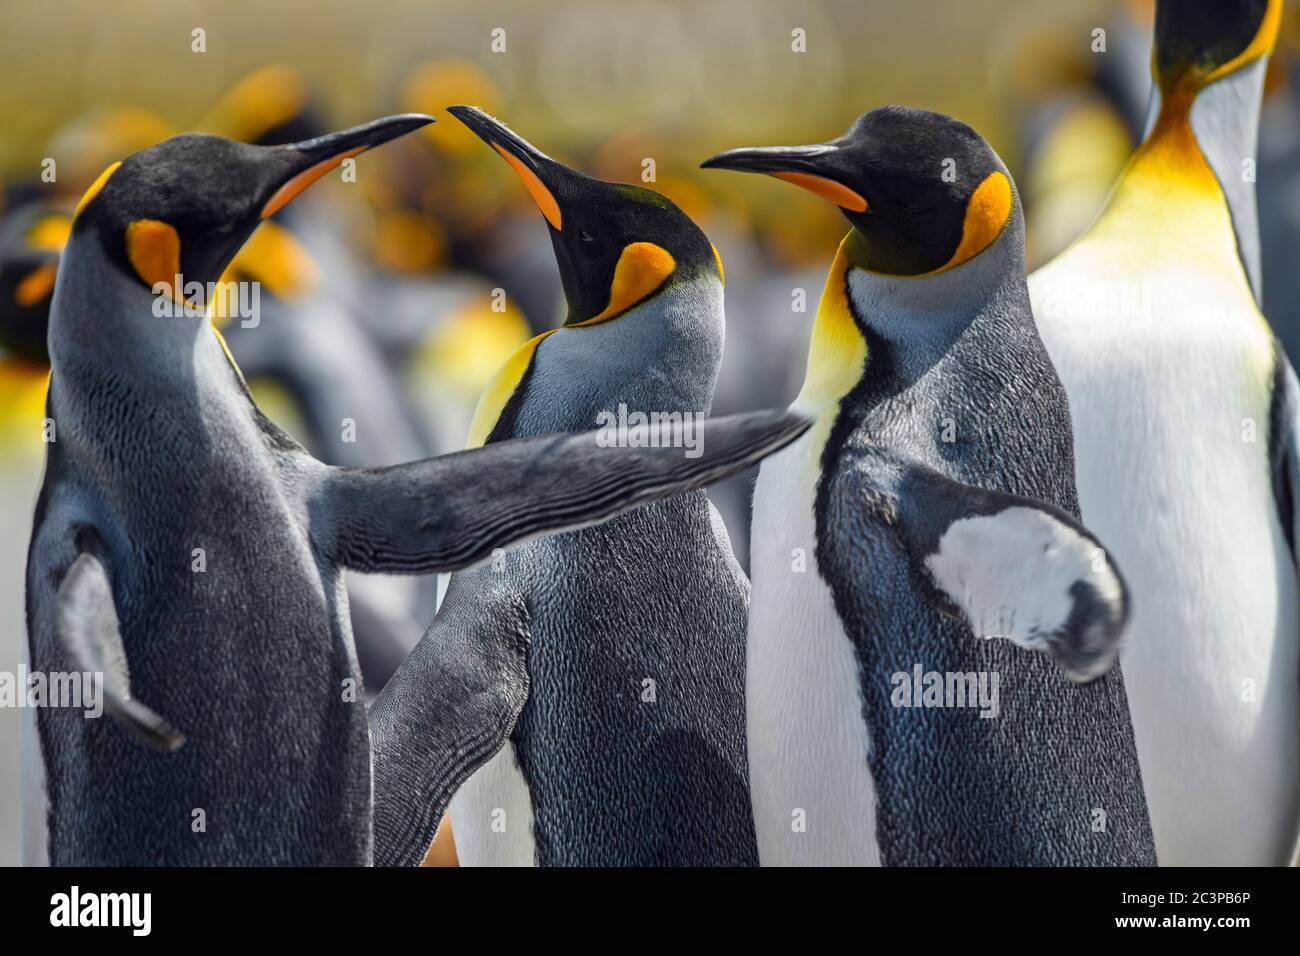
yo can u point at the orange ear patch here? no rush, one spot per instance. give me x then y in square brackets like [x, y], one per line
[987, 213]
[829, 189]
[290, 190]
[536, 188]
[36, 285]
[94, 189]
[154, 251]
[499, 391]
[642, 268]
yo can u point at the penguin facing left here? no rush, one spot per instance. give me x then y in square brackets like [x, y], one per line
[931, 503]
[623, 741]
[193, 553]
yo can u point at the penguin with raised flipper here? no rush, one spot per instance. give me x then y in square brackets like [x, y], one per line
[931, 504]
[193, 553]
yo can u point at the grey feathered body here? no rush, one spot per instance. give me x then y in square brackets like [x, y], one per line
[1029, 786]
[616, 778]
[248, 658]
[655, 595]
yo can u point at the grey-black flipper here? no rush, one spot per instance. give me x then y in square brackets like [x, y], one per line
[86, 621]
[1011, 566]
[1284, 449]
[448, 710]
[1284, 443]
[447, 513]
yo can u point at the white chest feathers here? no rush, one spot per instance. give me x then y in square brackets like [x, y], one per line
[814, 802]
[492, 815]
[1167, 366]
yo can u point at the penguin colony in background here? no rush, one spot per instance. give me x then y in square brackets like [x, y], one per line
[1023, 548]
[232, 678]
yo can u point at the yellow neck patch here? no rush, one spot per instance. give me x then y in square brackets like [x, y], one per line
[838, 350]
[1170, 162]
[154, 251]
[642, 268]
[23, 388]
[1168, 213]
[536, 188]
[221, 340]
[94, 189]
[503, 385]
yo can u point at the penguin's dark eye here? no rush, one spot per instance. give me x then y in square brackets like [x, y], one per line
[582, 236]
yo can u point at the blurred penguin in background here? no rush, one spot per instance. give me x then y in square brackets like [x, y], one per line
[1077, 97]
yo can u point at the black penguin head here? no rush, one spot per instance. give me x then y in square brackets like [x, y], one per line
[1198, 42]
[616, 244]
[923, 191]
[186, 205]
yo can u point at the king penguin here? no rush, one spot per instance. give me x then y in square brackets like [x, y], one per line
[1185, 414]
[623, 742]
[932, 503]
[193, 553]
[308, 362]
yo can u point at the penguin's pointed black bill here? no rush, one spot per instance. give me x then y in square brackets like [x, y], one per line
[804, 166]
[534, 167]
[315, 157]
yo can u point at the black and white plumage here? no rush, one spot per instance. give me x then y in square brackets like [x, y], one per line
[1181, 403]
[223, 544]
[1012, 568]
[931, 504]
[624, 741]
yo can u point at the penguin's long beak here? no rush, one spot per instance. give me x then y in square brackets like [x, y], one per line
[313, 158]
[540, 173]
[809, 167]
